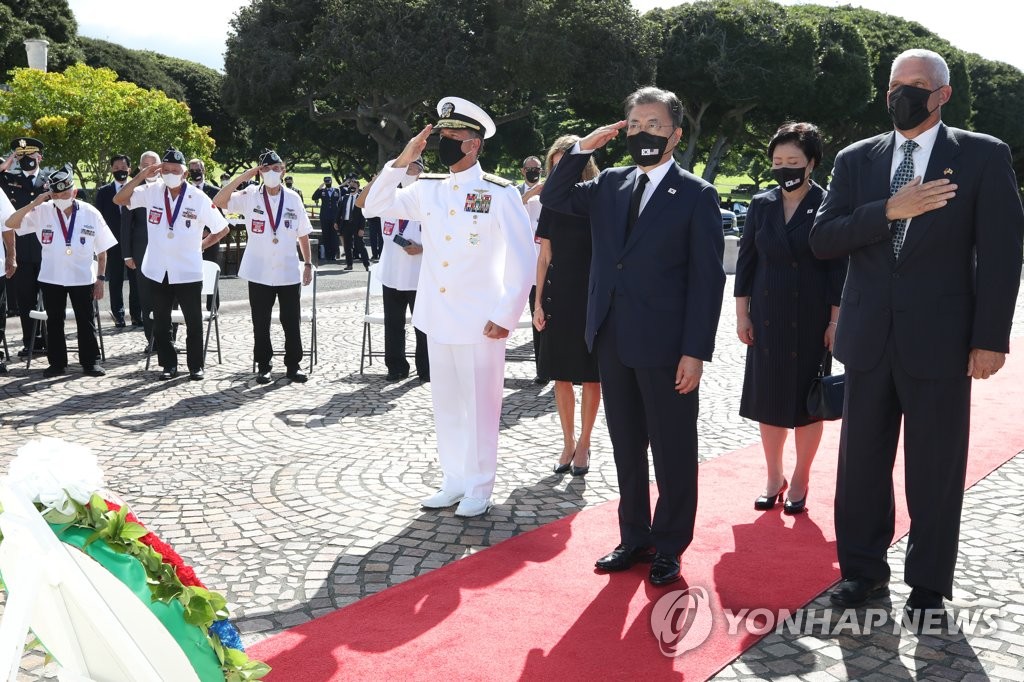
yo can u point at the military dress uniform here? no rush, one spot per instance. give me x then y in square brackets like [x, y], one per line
[270, 264]
[22, 187]
[173, 264]
[478, 265]
[6, 209]
[68, 270]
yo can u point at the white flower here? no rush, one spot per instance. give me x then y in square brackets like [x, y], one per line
[53, 472]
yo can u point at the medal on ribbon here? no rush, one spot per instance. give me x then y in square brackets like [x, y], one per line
[274, 222]
[171, 217]
[68, 228]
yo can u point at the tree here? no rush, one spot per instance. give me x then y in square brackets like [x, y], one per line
[998, 91]
[86, 115]
[312, 57]
[135, 66]
[53, 21]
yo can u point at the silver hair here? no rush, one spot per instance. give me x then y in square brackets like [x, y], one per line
[152, 155]
[199, 161]
[936, 65]
[653, 95]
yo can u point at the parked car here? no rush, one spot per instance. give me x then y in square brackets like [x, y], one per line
[729, 224]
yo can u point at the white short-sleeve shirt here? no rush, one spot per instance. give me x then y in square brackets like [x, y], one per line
[88, 236]
[6, 210]
[264, 261]
[398, 269]
[176, 250]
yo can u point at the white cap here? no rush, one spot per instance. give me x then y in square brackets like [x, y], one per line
[460, 114]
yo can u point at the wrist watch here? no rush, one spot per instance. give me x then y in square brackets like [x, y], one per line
[101, 278]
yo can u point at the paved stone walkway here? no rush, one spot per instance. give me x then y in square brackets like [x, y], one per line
[296, 500]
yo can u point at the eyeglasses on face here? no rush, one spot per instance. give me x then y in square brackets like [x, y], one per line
[650, 127]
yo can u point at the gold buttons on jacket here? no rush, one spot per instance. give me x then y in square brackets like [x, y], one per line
[444, 264]
[455, 188]
[447, 237]
[442, 290]
[451, 212]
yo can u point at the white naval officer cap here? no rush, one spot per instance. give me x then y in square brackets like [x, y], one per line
[460, 114]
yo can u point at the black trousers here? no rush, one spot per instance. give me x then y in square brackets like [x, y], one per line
[936, 414]
[354, 246]
[117, 273]
[261, 303]
[143, 287]
[24, 286]
[376, 238]
[395, 304]
[55, 297]
[332, 248]
[189, 297]
[536, 336]
[642, 407]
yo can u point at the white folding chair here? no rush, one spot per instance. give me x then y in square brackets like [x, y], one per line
[90, 622]
[307, 313]
[211, 288]
[374, 289]
[38, 317]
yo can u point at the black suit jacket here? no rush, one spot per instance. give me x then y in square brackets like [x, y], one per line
[955, 284]
[667, 279]
[134, 235]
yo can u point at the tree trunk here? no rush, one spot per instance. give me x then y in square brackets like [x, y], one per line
[718, 151]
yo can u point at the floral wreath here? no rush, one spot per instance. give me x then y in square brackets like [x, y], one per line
[64, 482]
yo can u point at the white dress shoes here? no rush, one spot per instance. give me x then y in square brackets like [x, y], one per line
[441, 499]
[473, 506]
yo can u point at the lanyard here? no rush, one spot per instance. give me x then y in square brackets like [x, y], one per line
[402, 224]
[68, 229]
[177, 206]
[274, 222]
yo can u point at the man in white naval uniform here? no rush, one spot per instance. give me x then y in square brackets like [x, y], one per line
[478, 265]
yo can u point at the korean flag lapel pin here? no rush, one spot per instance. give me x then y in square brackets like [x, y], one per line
[671, 190]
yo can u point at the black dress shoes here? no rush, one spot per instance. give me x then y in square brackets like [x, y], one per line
[95, 371]
[766, 502]
[52, 371]
[168, 373]
[854, 592]
[396, 376]
[197, 375]
[263, 377]
[296, 377]
[923, 599]
[664, 569]
[794, 507]
[120, 323]
[624, 557]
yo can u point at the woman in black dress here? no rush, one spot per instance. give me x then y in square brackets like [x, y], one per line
[787, 304]
[560, 315]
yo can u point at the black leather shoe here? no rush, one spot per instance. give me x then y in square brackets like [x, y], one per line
[424, 378]
[296, 376]
[396, 376]
[168, 373]
[53, 372]
[39, 350]
[347, 267]
[624, 557]
[854, 592]
[664, 569]
[541, 381]
[792, 508]
[3, 369]
[120, 324]
[197, 375]
[563, 468]
[263, 377]
[583, 470]
[923, 599]
[95, 371]
[766, 502]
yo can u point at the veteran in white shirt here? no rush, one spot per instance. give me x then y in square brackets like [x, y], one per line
[8, 252]
[277, 229]
[177, 213]
[478, 265]
[74, 238]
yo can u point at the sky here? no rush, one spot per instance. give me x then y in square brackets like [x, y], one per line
[196, 29]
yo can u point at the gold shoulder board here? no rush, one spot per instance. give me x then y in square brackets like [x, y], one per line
[433, 176]
[496, 179]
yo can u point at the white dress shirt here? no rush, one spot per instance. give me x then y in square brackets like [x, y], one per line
[926, 143]
[398, 269]
[654, 176]
[264, 262]
[88, 237]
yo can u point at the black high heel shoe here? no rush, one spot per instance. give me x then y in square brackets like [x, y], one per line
[792, 508]
[581, 471]
[564, 468]
[766, 502]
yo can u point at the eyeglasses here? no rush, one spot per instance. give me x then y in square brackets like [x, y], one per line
[651, 127]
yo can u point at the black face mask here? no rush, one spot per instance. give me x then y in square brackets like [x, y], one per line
[908, 106]
[195, 174]
[532, 175]
[27, 164]
[288, 185]
[645, 148]
[449, 150]
[790, 179]
[120, 175]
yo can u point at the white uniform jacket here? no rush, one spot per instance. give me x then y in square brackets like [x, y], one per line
[264, 262]
[478, 256]
[89, 237]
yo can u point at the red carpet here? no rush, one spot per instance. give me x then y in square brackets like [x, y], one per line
[530, 608]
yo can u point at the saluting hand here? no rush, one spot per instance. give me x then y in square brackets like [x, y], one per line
[414, 148]
[688, 373]
[915, 198]
[601, 136]
[8, 162]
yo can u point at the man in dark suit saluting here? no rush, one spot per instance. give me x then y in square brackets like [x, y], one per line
[931, 219]
[656, 284]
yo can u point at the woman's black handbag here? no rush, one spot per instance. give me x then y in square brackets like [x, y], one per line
[825, 399]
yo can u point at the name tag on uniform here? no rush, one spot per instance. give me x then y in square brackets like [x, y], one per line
[88, 232]
[47, 236]
[288, 213]
[189, 214]
[478, 203]
[155, 216]
[258, 226]
[388, 227]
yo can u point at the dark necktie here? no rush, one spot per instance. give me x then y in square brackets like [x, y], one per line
[904, 174]
[634, 202]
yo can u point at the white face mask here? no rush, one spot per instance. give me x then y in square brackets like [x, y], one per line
[409, 179]
[271, 178]
[172, 180]
[63, 204]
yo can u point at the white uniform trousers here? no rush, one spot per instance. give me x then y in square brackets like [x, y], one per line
[466, 383]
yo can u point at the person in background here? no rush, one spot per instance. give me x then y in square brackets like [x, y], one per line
[134, 240]
[289, 182]
[560, 316]
[931, 219]
[352, 222]
[116, 270]
[530, 191]
[787, 305]
[329, 199]
[7, 249]
[73, 238]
